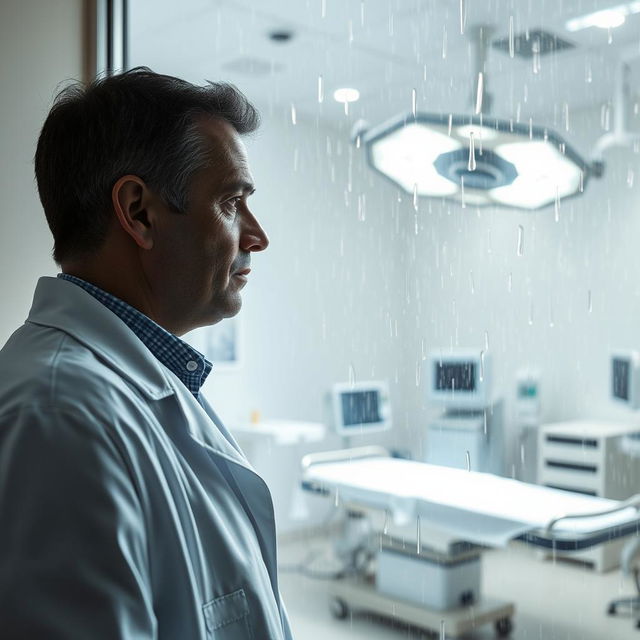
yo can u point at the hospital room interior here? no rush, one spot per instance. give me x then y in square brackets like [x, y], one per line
[436, 368]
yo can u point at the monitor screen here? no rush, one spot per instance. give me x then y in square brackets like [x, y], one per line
[621, 371]
[360, 407]
[455, 376]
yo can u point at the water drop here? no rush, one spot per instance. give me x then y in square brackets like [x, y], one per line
[605, 116]
[464, 204]
[442, 634]
[609, 36]
[581, 185]
[352, 375]
[444, 42]
[589, 302]
[565, 112]
[471, 165]
[362, 13]
[361, 207]
[535, 48]
[385, 526]
[471, 283]
[530, 128]
[293, 114]
[414, 102]
[336, 501]
[415, 196]
[418, 535]
[418, 372]
[630, 176]
[588, 74]
[323, 8]
[512, 43]
[479, 92]
[467, 456]
[557, 205]
[481, 366]
[520, 250]
[463, 16]
[531, 313]
[450, 124]
[321, 91]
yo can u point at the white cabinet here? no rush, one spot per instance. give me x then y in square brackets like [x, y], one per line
[590, 457]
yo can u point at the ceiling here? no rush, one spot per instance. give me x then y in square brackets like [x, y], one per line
[385, 49]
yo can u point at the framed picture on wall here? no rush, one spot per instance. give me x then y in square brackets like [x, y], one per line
[219, 343]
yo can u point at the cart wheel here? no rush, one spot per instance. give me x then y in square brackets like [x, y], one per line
[339, 608]
[612, 609]
[504, 627]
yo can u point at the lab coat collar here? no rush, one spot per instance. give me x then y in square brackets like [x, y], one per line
[63, 305]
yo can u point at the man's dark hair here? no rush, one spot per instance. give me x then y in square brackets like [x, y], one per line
[140, 123]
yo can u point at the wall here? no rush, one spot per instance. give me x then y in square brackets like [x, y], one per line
[40, 46]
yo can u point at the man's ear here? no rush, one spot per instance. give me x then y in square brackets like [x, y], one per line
[130, 198]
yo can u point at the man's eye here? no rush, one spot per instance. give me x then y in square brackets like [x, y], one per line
[232, 203]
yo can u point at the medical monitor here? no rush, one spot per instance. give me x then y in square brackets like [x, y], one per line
[458, 379]
[625, 378]
[360, 407]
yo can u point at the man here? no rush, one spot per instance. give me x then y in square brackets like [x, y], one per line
[127, 511]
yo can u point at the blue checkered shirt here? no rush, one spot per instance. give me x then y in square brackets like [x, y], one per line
[187, 363]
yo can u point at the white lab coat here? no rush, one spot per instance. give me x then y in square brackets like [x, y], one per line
[127, 511]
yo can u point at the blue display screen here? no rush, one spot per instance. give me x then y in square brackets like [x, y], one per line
[620, 379]
[360, 407]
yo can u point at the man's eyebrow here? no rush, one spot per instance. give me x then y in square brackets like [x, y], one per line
[240, 185]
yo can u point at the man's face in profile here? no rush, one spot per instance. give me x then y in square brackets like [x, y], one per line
[201, 259]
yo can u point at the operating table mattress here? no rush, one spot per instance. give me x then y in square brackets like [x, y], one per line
[477, 507]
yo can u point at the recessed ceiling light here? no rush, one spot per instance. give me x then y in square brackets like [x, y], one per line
[606, 18]
[346, 95]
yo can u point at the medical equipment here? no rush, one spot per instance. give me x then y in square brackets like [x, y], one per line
[586, 457]
[527, 423]
[468, 431]
[360, 407]
[459, 380]
[625, 378]
[456, 505]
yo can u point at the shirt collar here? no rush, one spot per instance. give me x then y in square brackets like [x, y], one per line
[189, 365]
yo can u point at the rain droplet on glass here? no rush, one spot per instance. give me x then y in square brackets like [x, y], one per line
[565, 113]
[581, 185]
[352, 375]
[471, 165]
[362, 13]
[589, 302]
[450, 124]
[530, 128]
[556, 205]
[442, 633]
[362, 207]
[462, 201]
[481, 366]
[588, 74]
[630, 176]
[321, 91]
[479, 92]
[418, 535]
[605, 116]
[415, 196]
[293, 114]
[471, 283]
[463, 16]
[535, 48]
[531, 313]
[444, 42]
[467, 456]
[512, 43]
[520, 250]
[510, 282]
[414, 102]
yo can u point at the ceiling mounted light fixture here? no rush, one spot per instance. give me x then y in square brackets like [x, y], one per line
[605, 18]
[476, 160]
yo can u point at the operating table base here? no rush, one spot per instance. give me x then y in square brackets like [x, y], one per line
[352, 594]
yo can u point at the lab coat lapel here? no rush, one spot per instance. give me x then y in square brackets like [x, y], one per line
[207, 430]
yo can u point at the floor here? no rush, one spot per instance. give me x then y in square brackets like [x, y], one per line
[554, 601]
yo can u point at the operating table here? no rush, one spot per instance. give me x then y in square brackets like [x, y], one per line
[470, 511]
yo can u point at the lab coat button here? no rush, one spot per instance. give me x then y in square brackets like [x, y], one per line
[192, 365]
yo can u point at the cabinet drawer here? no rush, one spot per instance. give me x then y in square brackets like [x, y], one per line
[580, 481]
[579, 454]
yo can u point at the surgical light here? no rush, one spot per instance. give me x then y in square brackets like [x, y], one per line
[475, 160]
[605, 18]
